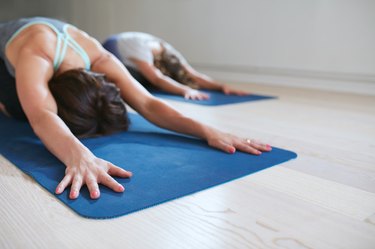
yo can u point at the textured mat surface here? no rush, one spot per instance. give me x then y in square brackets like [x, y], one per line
[165, 165]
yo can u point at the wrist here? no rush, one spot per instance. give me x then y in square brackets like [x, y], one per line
[207, 132]
[77, 153]
[185, 90]
[222, 87]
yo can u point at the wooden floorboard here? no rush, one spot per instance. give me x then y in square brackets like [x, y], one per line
[323, 199]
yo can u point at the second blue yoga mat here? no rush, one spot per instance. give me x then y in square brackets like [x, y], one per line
[165, 165]
[216, 98]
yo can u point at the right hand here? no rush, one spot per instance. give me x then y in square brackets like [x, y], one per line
[231, 91]
[91, 171]
[195, 95]
[230, 143]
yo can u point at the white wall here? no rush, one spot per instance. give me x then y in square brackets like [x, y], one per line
[304, 42]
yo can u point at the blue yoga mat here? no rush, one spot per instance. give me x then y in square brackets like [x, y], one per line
[216, 98]
[165, 165]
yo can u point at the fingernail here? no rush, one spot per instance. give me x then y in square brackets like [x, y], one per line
[259, 153]
[232, 150]
[120, 188]
[95, 194]
[268, 147]
[73, 194]
[57, 191]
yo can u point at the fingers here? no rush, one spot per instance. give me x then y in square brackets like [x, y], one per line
[228, 91]
[260, 146]
[235, 92]
[117, 171]
[230, 144]
[93, 187]
[222, 145]
[204, 96]
[253, 146]
[108, 181]
[196, 95]
[248, 148]
[76, 187]
[91, 177]
[63, 184]
[105, 179]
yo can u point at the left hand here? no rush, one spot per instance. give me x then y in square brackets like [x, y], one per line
[227, 90]
[230, 143]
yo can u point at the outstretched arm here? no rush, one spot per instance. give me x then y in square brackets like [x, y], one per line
[165, 83]
[82, 167]
[206, 82]
[165, 116]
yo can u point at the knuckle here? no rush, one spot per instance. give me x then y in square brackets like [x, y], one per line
[77, 180]
[104, 178]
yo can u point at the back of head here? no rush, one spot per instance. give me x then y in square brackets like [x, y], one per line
[88, 104]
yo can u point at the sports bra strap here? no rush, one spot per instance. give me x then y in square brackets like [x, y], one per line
[67, 40]
[59, 56]
[58, 48]
[77, 48]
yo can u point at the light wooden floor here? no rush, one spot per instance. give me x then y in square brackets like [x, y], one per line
[323, 199]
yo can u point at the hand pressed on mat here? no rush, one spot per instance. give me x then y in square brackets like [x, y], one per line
[229, 143]
[91, 171]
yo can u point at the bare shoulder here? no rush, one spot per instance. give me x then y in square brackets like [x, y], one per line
[93, 47]
[37, 40]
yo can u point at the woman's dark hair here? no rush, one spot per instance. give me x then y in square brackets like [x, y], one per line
[88, 104]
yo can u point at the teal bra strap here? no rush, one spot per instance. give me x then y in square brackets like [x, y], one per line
[77, 48]
[59, 57]
[58, 47]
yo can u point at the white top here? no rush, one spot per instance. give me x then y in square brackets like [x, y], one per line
[138, 45]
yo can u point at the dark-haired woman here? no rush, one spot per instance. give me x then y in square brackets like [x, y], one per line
[52, 75]
[155, 63]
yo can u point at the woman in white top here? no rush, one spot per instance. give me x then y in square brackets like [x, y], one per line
[155, 63]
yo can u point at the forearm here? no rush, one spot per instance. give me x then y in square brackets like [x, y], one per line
[203, 80]
[206, 82]
[167, 84]
[166, 117]
[58, 139]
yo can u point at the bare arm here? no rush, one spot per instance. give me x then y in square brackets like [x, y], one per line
[163, 115]
[203, 80]
[206, 82]
[140, 99]
[32, 75]
[165, 83]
